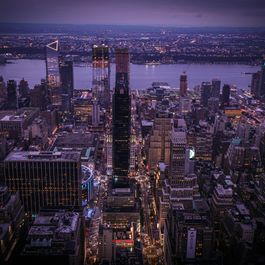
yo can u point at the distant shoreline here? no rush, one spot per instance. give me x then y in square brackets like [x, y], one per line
[141, 75]
[55, 28]
[87, 64]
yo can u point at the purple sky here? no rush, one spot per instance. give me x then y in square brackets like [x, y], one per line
[136, 12]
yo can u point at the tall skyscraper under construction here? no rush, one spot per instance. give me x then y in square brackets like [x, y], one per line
[53, 73]
[121, 123]
[101, 74]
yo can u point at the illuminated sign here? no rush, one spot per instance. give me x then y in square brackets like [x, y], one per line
[191, 153]
[232, 112]
[53, 46]
[191, 243]
[123, 242]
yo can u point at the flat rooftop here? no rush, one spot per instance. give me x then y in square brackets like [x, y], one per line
[201, 205]
[54, 223]
[162, 166]
[76, 139]
[17, 115]
[178, 137]
[147, 123]
[43, 156]
[222, 192]
[181, 123]
[242, 209]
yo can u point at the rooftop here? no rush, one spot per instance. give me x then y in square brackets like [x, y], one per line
[147, 123]
[162, 166]
[76, 139]
[17, 115]
[201, 205]
[181, 123]
[178, 137]
[54, 223]
[235, 107]
[222, 192]
[236, 141]
[242, 209]
[43, 156]
[160, 85]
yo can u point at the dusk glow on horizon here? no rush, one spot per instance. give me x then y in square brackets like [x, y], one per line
[190, 13]
[132, 132]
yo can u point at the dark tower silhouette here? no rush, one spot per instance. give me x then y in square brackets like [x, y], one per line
[121, 121]
[262, 81]
[67, 77]
[183, 84]
[216, 86]
[39, 96]
[12, 99]
[23, 88]
[206, 89]
[67, 82]
[225, 95]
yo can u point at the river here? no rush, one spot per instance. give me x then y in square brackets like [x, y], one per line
[141, 76]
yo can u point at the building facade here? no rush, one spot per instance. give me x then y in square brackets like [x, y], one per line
[12, 95]
[56, 236]
[67, 83]
[159, 141]
[53, 73]
[183, 85]
[101, 75]
[121, 121]
[45, 179]
[11, 220]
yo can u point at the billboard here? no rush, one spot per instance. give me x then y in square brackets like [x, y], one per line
[191, 243]
[191, 153]
[123, 242]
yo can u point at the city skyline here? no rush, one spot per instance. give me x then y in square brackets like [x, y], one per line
[142, 145]
[202, 13]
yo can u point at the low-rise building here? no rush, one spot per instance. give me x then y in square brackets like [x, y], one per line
[56, 236]
[13, 123]
[11, 221]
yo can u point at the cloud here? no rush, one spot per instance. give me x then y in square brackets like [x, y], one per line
[199, 15]
[167, 12]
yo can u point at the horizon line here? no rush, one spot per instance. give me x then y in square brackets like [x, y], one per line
[125, 25]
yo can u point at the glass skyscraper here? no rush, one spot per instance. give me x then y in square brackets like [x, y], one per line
[121, 123]
[67, 83]
[53, 72]
[101, 74]
[45, 179]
